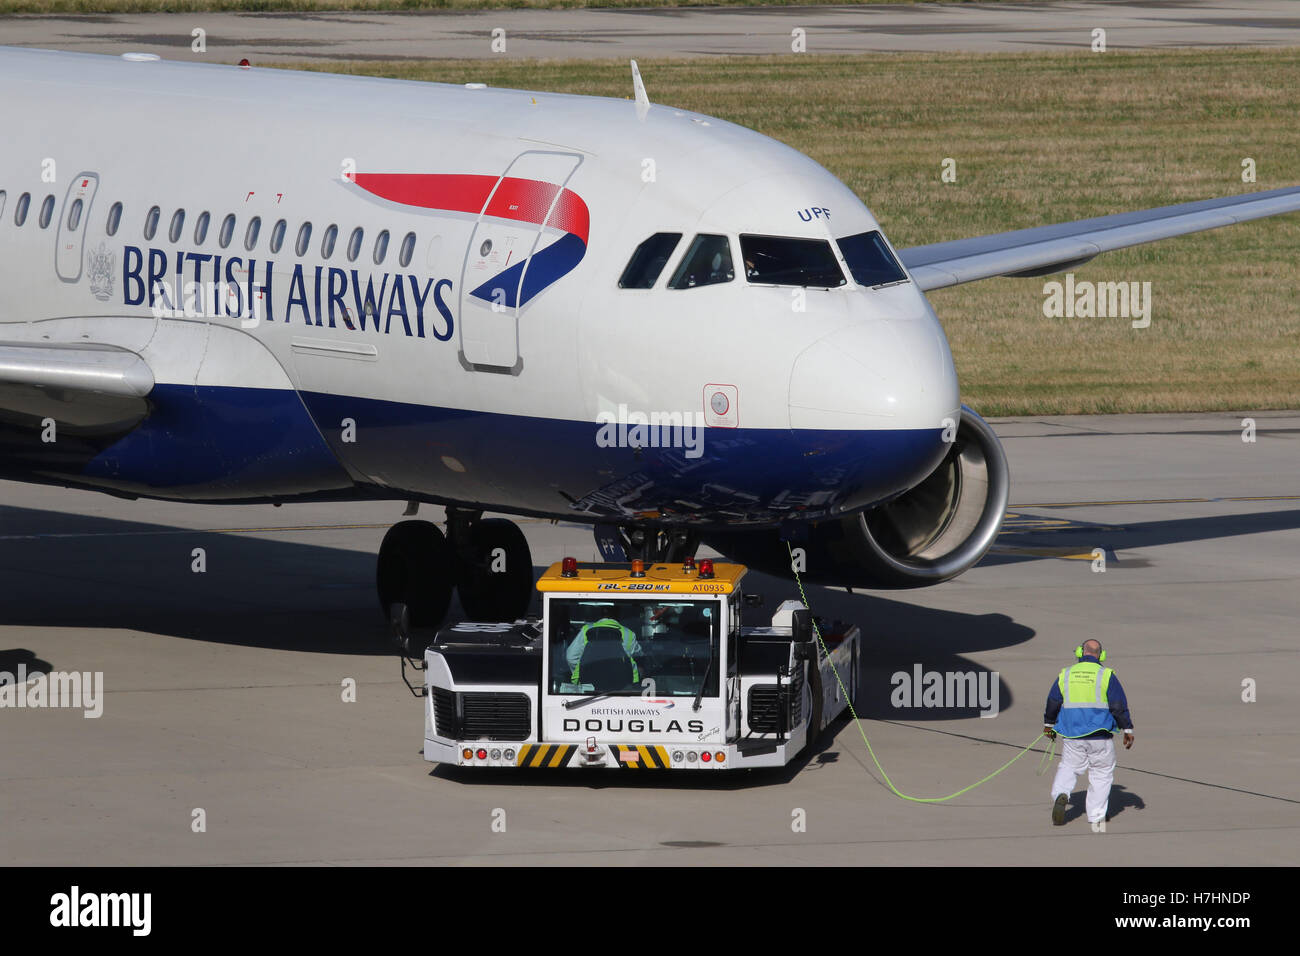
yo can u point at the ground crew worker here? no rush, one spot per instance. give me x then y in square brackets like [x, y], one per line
[573, 655]
[1086, 705]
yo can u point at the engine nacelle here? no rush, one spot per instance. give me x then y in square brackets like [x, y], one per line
[928, 534]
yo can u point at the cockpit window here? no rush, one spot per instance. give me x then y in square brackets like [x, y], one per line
[870, 260]
[648, 261]
[777, 260]
[707, 262]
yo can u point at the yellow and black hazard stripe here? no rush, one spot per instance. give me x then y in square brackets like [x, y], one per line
[545, 755]
[639, 755]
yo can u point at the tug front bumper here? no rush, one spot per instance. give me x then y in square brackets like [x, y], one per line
[622, 756]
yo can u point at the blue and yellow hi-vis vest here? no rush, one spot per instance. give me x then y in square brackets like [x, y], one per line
[1084, 706]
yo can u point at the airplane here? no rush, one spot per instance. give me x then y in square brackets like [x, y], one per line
[224, 284]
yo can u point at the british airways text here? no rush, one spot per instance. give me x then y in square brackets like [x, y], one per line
[207, 284]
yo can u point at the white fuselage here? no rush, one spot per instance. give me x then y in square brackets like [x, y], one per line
[284, 373]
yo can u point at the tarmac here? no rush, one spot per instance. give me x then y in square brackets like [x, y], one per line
[224, 690]
[664, 32]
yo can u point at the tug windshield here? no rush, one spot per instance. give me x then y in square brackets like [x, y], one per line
[615, 647]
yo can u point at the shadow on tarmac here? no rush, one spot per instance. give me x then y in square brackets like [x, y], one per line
[1080, 536]
[90, 572]
[1121, 798]
[80, 571]
[11, 660]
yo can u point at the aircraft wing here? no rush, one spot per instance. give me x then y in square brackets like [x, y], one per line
[1047, 249]
[88, 386]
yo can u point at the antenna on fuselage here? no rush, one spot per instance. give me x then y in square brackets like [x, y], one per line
[638, 89]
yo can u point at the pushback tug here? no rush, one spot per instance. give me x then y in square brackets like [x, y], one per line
[636, 666]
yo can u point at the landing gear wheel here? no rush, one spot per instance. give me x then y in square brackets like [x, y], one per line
[495, 571]
[415, 569]
[814, 685]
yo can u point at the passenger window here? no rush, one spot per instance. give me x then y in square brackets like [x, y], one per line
[47, 211]
[870, 261]
[74, 215]
[277, 235]
[642, 270]
[381, 246]
[408, 249]
[201, 228]
[20, 208]
[151, 222]
[114, 219]
[777, 260]
[250, 234]
[328, 240]
[227, 230]
[178, 223]
[304, 237]
[354, 244]
[707, 262]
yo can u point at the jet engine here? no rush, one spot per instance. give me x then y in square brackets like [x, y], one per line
[929, 534]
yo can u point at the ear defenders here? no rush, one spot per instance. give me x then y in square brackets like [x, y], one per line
[1078, 653]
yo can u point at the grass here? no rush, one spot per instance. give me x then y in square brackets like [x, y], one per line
[317, 6]
[1038, 138]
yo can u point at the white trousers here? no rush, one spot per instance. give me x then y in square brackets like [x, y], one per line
[1097, 759]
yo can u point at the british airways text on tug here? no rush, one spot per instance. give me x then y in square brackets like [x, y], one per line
[637, 666]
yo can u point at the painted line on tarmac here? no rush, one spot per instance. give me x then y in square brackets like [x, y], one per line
[1155, 501]
[174, 531]
[1048, 524]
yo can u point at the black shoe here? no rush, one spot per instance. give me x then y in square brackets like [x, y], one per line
[1058, 810]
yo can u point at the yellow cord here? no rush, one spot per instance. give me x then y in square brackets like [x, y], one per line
[858, 721]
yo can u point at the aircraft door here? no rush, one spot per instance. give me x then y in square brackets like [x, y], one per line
[520, 219]
[72, 226]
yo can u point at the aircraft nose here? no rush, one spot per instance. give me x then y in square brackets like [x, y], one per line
[875, 374]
